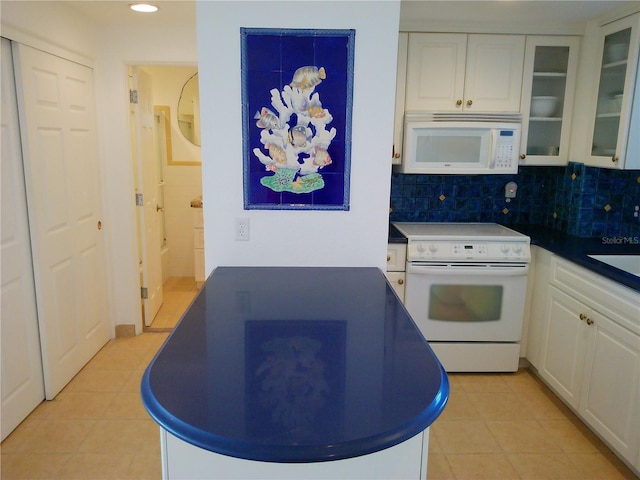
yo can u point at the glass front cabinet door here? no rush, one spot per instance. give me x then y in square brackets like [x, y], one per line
[547, 99]
[611, 127]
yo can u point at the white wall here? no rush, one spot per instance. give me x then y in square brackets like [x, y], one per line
[311, 238]
[167, 85]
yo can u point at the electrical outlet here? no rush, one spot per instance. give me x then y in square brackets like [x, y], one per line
[242, 229]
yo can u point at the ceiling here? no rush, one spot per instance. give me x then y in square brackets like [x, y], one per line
[569, 11]
[412, 13]
[175, 13]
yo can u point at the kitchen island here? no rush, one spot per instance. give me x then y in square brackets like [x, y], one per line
[295, 372]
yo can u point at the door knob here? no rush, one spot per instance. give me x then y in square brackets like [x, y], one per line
[99, 225]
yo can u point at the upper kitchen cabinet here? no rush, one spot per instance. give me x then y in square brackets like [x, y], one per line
[401, 85]
[612, 130]
[464, 73]
[550, 68]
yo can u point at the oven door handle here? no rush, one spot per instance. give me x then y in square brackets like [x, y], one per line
[480, 269]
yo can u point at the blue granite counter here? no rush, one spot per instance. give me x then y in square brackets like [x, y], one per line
[395, 236]
[577, 249]
[295, 364]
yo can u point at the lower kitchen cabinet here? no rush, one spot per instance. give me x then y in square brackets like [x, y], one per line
[396, 258]
[590, 353]
[564, 346]
[610, 399]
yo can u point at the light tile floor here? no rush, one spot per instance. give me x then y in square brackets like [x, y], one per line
[496, 426]
[178, 293]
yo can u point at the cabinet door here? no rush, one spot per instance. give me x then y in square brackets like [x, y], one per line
[547, 99]
[611, 394]
[565, 346]
[396, 279]
[435, 71]
[493, 73]
[618, 50]
[401, 85]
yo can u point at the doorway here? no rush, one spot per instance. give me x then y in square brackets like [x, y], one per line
[178, 186]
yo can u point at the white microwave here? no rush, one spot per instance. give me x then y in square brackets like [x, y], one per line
[461, 143]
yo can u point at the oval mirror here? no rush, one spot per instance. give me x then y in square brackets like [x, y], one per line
[189, 110]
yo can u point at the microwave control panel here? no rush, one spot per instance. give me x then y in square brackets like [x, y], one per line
[504, 154]
[488, 251]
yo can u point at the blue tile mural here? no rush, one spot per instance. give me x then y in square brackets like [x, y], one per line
[576, 199]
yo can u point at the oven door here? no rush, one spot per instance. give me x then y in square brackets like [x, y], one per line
[467, 302]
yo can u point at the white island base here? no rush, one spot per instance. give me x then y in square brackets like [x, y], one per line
[407, 460]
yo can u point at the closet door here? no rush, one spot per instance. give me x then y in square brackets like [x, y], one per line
[22, 384]
[60, 154]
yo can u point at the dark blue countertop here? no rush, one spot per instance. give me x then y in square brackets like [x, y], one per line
[295, 364]
[395, 236]
[577, 249]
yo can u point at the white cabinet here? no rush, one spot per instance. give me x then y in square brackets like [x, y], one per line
[550, 68]
[401, 85]
[610, 398]
[565, 346]
[396, 257]
[537, 293]
[611, 113]
[459, 72]
[198, 245]
[590, 353]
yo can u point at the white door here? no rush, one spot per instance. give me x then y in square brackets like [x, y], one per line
[22, 384]
[147, 185]
[60, 154]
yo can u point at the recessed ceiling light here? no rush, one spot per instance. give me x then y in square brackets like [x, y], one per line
[143, 7]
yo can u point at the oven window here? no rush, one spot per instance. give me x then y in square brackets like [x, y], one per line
[465, 303]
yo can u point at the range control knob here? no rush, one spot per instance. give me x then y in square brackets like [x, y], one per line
[433, 248]
[505, 248]
[420, 248]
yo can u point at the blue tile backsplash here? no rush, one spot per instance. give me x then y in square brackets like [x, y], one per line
[577, 199]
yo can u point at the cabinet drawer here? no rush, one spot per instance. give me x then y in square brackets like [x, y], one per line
[610, 298]
[396, 256]
[396, 279]
[198, 238]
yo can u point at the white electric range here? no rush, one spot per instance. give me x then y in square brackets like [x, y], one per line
[465, 289]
